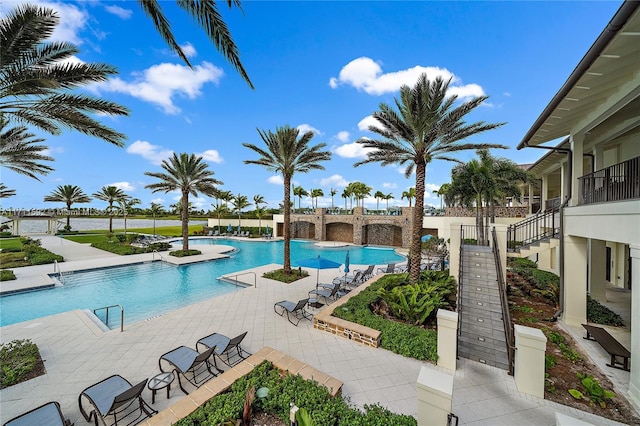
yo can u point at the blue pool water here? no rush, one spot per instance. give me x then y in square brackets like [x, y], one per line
[150, 289]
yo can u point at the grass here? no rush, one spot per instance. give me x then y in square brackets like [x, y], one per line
[10, 243]
[19, 360]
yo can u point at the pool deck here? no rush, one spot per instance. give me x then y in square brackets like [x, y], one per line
[78, 354]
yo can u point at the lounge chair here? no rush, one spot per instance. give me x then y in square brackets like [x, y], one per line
[216, 233]
[193, 366]
[292, 308]
[115, 397]
[366, 273]
[350, 280]
[48, 414]
[228, 350]
[327, 293]
[235, 233]
[390, 269]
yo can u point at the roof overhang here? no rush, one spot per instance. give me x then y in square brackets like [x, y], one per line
[605, 82]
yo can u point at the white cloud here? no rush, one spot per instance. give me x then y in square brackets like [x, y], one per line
[72, 21]
[366, 75]
[366, 122]
[199, 202]
[507, 94]
[389, 185]
[212, 156]
[342, 136]
[189, 50]
[160, 83]
[125, 186]
[276, 180]
[429, 188]
[153, 153]
[352, 150]
[304, 128]
[157, 201]
[119, 11]
[334, 181]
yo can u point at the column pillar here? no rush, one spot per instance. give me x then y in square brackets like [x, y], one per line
[544, 192]
[634, 377]
[577, 166]
[597, 273]
[529, 363]
[454, 249]
[530, 210]
[435, 392]
[575, 280]
[447, 338]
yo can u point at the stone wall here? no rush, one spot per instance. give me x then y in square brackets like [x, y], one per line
[340, 231]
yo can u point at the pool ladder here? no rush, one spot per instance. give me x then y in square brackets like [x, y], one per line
[106, 321]
[235, 278]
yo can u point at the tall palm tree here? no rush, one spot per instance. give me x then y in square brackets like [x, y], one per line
[360, 192]
[287, 154]
[346, 194]
[208, 17]
[20, 152]
[240, 202]
[225, 196]
[156, 210]
[378, 196]
[219, 210]
[427, 126]
[125, 203]
[388, 197]
[333, 192]
[190, 175]
[110, 194]
[6, 192]
[257, 201]
[315, 194]
[68, 194]
[36, 79]
[410, 194]
[299, 191]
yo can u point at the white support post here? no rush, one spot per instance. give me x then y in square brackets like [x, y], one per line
[435, 392]
[529, 363]
[447, 339]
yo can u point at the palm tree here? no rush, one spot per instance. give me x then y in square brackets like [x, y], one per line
[37, 78]
[287, 154]
[156, 209]
[346, 194]
[257, 200]
[426, 127]
[6, 192]
[360, 192]
[207, 15]
[388, 197]
[219, 210]
[378, 196]
[68, 194]
[410, 194]
[188, 174]
[333, 192]
[110, 194]
[315, 194]
[126, 202]
[19, 151]
[240, 202]
[299, 192]
[225, 196]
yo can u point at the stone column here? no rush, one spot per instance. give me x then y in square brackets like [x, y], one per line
[597, 269]
[575, 280]
[454, 250]
[634, 377]
[529, 363]
[435, 391]
[447, 339]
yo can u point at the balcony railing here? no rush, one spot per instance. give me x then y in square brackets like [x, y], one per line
[614, 183]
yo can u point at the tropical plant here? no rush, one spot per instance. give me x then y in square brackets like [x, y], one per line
[315, 194]
[125, 203]
[359, 191]
[110, 194]
[156, 210]
[6, 192]
[594, 392]
[190, 175]
[69, 195]
[219, 210]
[409, 194]
[208, 17]
[20, 152]
[333, 192]
[426, 127]
[378, 196]
[287, 154]
[240, 202]
[299, 191]
[346, 194]
[37, 77]
[388, 197]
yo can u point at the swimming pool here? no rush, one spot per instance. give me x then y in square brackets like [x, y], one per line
[150, 289]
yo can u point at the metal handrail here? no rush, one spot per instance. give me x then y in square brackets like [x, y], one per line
[255, 278]
[107, 316]
[459, 294]
[535, 228]
[506, 316]
[153, 255]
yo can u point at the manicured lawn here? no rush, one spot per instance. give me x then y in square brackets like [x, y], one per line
[10, 243]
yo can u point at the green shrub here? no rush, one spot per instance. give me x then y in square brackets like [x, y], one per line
[550, 361]
[283, 390]
[7, 275]
[183, 253]
[18, 359]
[594, 393]
[158, 246]
[122, 249]
[5, 234]
[521, 262]
[401, 338]
[599, 314]
[279, 275]
[121, 238]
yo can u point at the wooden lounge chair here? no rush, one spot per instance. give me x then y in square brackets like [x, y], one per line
[48, 414]
[294, 309]
[228, 350]
[115, 397]
[195, 367]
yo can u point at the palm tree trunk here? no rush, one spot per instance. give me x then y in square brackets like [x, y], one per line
[287, 226]
[416, 230]
[185, 221]
[479, 221]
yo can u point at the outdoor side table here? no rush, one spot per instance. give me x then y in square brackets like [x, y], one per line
[158, 382]
[314, 303]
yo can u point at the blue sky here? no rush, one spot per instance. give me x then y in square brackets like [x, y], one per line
[320, 66]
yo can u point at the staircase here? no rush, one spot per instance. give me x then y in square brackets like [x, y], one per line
[481, 335]
[534, 234]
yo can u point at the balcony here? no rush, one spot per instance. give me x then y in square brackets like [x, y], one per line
[615, 183]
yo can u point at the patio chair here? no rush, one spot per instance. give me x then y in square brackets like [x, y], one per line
[327, 293]
[350, 280]
[117, 398]
[366, 273]
[235, 233]
[48, 414]
[228, 350]
[195, 367]
[216, 233]
[292, 308]
[388, 270]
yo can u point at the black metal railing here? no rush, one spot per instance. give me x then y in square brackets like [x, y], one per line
[474, 235]
[552, 203]
[535, 228]
[459, 295]
[614, 183]
[506, 315]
